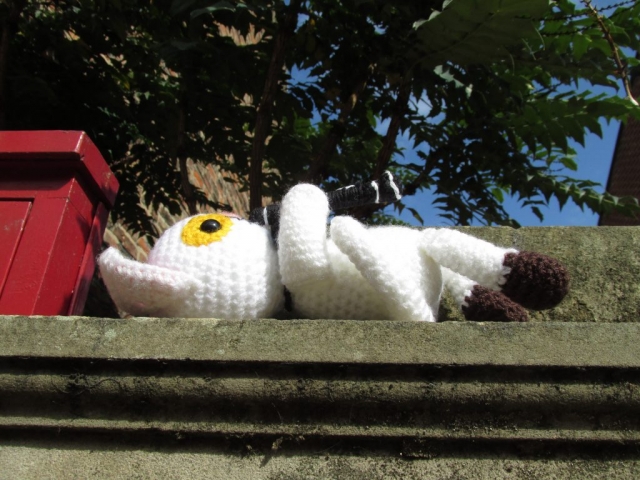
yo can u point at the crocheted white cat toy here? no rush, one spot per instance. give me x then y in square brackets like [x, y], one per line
[219, 265]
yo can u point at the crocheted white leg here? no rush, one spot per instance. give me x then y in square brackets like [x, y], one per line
[459, 286]
[477, 259]
[146, 290]
[402, 285]
[302, 240]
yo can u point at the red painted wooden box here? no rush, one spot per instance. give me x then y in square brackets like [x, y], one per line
[55, 194]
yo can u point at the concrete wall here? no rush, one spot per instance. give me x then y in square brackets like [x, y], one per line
[604, 264]
[558, 397]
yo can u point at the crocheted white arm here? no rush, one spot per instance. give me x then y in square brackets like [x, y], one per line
[302, 240]
[476, 259]
[143, 289]
[401, 292]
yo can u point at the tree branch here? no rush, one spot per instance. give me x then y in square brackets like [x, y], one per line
[622, 68]
[412, 187]
[383, 159]
[187, 189]
[263, 112]
[399, 112]
[8, 29]
[319, 162]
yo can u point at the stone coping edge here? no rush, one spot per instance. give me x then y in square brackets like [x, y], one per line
[323, 341]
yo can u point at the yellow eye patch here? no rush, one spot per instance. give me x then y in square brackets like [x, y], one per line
[206, 229]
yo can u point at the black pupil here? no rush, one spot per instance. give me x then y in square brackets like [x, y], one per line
[210, 226]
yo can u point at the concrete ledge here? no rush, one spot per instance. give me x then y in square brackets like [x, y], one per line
[558, 397]
[323, 341]
[318, 399]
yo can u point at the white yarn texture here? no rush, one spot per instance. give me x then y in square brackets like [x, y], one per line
[356, 272]
[234, 278]
[340, 271]
[391, 273]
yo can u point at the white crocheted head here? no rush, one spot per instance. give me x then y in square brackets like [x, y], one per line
[211, 265]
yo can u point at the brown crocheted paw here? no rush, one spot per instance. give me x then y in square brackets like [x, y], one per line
[485, 305]
[535, 281]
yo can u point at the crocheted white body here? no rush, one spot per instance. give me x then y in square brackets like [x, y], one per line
[231, 268]
[374, 273]
[347, 294]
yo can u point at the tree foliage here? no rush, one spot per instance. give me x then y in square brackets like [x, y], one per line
[320, 90]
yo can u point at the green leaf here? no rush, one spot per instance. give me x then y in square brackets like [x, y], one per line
[223, 5]
[179, 6]
[416, 215]
[536, 211]
[581, 44]
[602, 45]
[470, 31]
[570, 163]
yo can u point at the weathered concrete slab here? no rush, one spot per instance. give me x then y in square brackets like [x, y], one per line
[323, 341]
[558, 397]
[604, 263]
[318, 399]
[142, 462]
